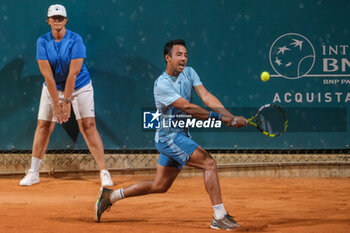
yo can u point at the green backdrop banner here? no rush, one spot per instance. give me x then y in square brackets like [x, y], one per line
[304, 45]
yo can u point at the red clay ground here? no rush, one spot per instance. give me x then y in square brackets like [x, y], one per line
[260, 204]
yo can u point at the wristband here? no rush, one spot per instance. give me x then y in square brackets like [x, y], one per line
[67, 100]
[215, 115]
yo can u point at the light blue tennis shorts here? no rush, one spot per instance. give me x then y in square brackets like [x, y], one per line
[176, 152]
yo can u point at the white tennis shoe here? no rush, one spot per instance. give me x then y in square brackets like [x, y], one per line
[31, 178]
[106, 178]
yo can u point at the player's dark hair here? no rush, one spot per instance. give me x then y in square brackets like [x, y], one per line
[168, 47]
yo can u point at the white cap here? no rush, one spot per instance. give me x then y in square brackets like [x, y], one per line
[56, 10]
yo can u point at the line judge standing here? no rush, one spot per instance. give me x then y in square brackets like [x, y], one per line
[60, 55]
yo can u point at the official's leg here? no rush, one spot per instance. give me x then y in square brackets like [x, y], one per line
[84, 110]
[42, 135]
[41, 140]
[93, 140]
[45, 126]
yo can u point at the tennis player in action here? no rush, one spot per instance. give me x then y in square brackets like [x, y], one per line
[60, 55]
[173, 93]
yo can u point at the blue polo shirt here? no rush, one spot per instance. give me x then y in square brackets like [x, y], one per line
[59, 54]
[166, 90]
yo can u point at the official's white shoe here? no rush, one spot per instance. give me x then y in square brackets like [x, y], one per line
[105, 178]
[31, 178]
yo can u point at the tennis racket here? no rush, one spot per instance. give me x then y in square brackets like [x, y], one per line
[270, 119]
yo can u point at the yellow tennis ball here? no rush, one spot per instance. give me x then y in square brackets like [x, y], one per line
[265, 76]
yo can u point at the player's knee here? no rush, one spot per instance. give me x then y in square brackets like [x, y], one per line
[210, 164]
[160, 188]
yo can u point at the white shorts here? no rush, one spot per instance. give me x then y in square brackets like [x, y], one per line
[82, 103]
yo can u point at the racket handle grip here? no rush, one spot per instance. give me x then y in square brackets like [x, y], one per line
[234, 122]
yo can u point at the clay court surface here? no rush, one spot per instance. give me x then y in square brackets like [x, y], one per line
[259, 204]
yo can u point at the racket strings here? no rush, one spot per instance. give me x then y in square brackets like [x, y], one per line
[271, 120]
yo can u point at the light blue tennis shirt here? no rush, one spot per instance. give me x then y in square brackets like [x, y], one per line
[166, 90]
[59, 54]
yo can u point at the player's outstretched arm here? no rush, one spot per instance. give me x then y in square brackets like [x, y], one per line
[191, 109]
[214, 103]
[201, 113]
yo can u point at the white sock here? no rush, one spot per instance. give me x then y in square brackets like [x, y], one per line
[220, 211]
[117, 195]
[35, 164]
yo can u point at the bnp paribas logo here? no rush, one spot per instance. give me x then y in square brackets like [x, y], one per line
[292, 56]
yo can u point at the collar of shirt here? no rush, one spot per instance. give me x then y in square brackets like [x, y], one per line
[65, 36]
[173, 78]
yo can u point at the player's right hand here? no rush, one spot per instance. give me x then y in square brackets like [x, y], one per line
[228, 120]
[234, 121]
[239, 121]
